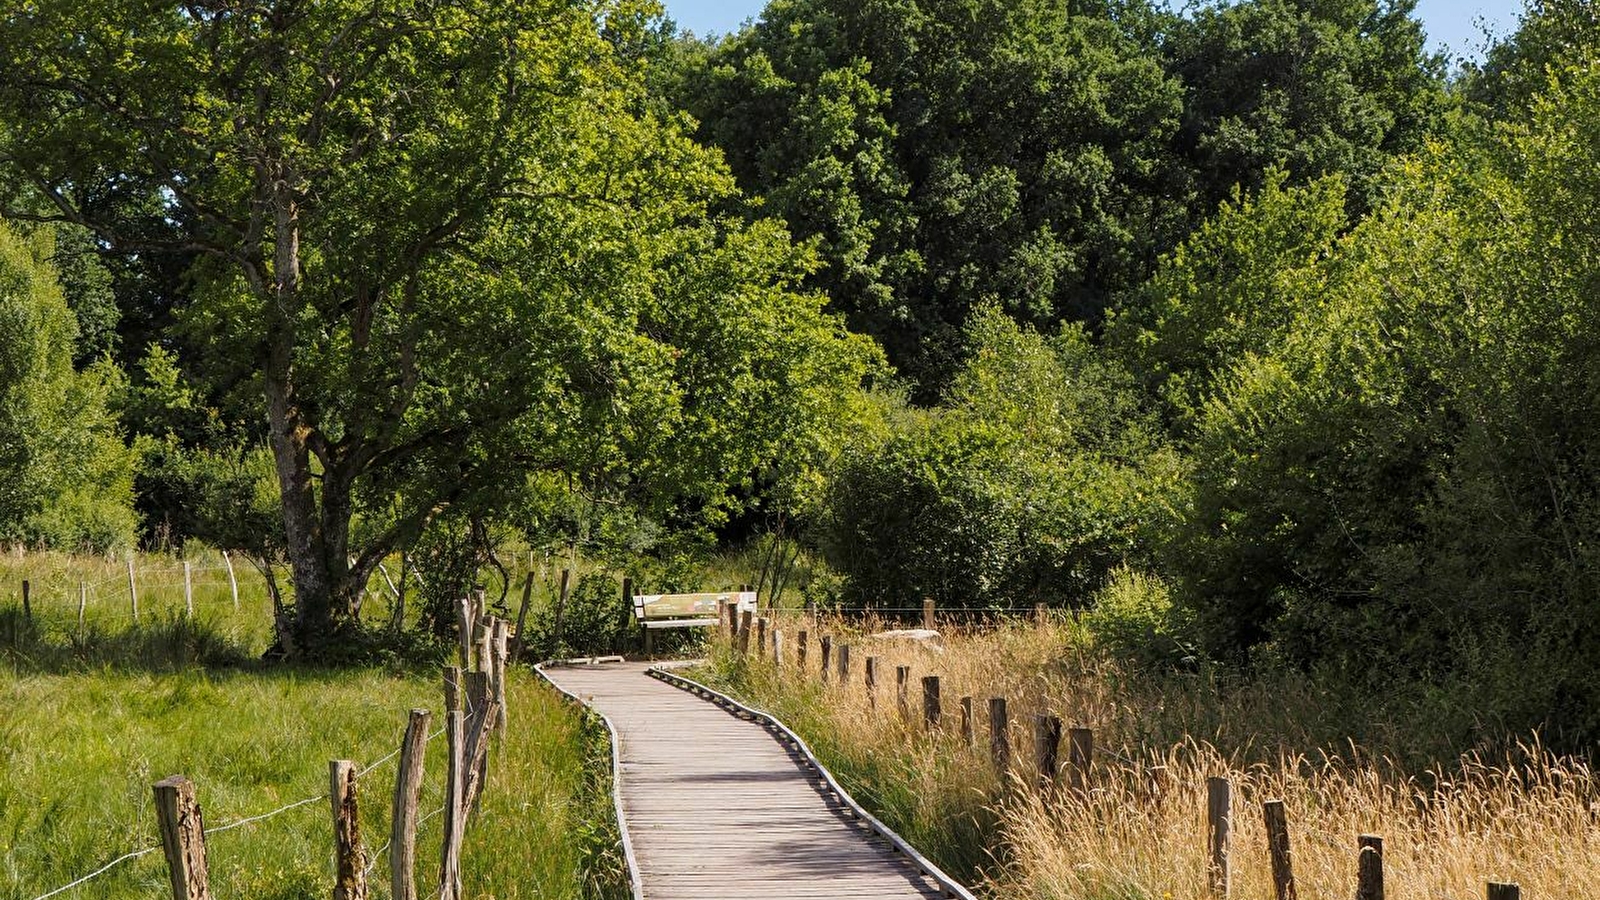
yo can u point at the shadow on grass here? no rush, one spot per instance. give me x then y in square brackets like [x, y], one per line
[161, 644]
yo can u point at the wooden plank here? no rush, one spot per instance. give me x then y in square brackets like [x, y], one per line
[767, 830]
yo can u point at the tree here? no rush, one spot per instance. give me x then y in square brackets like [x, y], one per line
[66, 478]
[946, 154]
[447, 241]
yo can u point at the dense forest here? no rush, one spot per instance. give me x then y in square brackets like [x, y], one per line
[996, 302]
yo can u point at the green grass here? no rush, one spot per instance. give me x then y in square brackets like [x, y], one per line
[94, 717]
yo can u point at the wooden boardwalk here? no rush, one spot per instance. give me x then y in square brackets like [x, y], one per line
[717, 808]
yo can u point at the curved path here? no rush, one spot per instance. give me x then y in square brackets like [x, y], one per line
[717, 808]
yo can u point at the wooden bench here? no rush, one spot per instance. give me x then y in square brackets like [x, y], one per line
[654, 611]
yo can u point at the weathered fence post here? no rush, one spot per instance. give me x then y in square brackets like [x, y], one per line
[825, 651]
[407, 792]
[930, 701]
[722, 619]
[455, 783]
[1219, 822]
[1498, 891]
[27, 601]
[1080, 758]
[188, 590]
[464, 624]
[777, 649]
[966, 721]
[800, 651]
[133, 592]
[501, 641]
[999, 737]
[1277, 822]
[83, 604]
[927, 613]
[872, 682]
[183, 838]
[744, 632]
[349, 859]
[902, 675]
[1369, 867]
[522, 618]
[1046, 747]
[233, 580]
[844, 664]
[761, 637]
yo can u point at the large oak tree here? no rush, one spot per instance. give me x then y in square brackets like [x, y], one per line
[447, 240]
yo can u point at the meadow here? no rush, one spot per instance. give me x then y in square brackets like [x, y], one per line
[1503, 811]
[95, 715]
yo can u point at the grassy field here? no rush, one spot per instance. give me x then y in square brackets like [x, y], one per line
[1518, 815]
[95, 716]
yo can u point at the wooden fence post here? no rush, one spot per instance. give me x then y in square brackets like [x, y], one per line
[349, 858]
[1046, 748]
[562, 594]
[455, 783]
[27, 602]
[722, 619]
[902, 675]
[999, 737]
[777, 650]
[500, 643]
[844, 664]
[1277, 822]
[1219, 821]
[522, 618]
[825, 651]
[930, 701]
[188, 590]
[761, 637]
[966, 721]
[927, 614]
[83, 603]
[800, 651]
[1369, 867]
[183, 838]
[872, 682]
[233, 580]
[1498, 891]
[1080, 758]
[407, 792]
[744, 632]
[464, 624]
[133, 592]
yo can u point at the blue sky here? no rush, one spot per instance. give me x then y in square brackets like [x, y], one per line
[1451, 24]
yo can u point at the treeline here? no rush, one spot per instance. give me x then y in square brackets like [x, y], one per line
[1261, 308]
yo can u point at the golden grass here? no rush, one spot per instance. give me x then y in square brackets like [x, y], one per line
[1524, 816]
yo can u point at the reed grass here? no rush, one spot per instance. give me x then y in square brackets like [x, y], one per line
[1517, 814]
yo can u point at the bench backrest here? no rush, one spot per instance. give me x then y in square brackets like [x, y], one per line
[650, 607]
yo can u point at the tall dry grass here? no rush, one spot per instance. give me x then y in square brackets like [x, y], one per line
[1139, 832]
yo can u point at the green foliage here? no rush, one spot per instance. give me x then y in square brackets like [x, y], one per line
[1037, 478]
[65, 474]
[1134, 618]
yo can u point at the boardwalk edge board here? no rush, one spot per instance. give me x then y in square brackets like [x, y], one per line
[950, 886]
[635, 879]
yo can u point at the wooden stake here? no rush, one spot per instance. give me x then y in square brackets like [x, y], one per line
[27, 601]
[83, 603]
[1219, 821]
[183, 838]
[455, 818]
[349, 858]
[844, 663]
[872, 682]
[927, 613]
[800, 651]
[522, 618]
[1369, 867]
[188, 591]
[777, 650]
[498, 643]
[233, 580]
[761, 637]
[1278, 848]
[999, 737]
[133, 592]
[825, 646]
[476, 760]
[1498, 891]
[464, 625]
[722, 619]
[1080, 758]
[744, 632]
[930, 702]
[407, 792]
[1046, 748]
[966, 721]
[902, 676]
